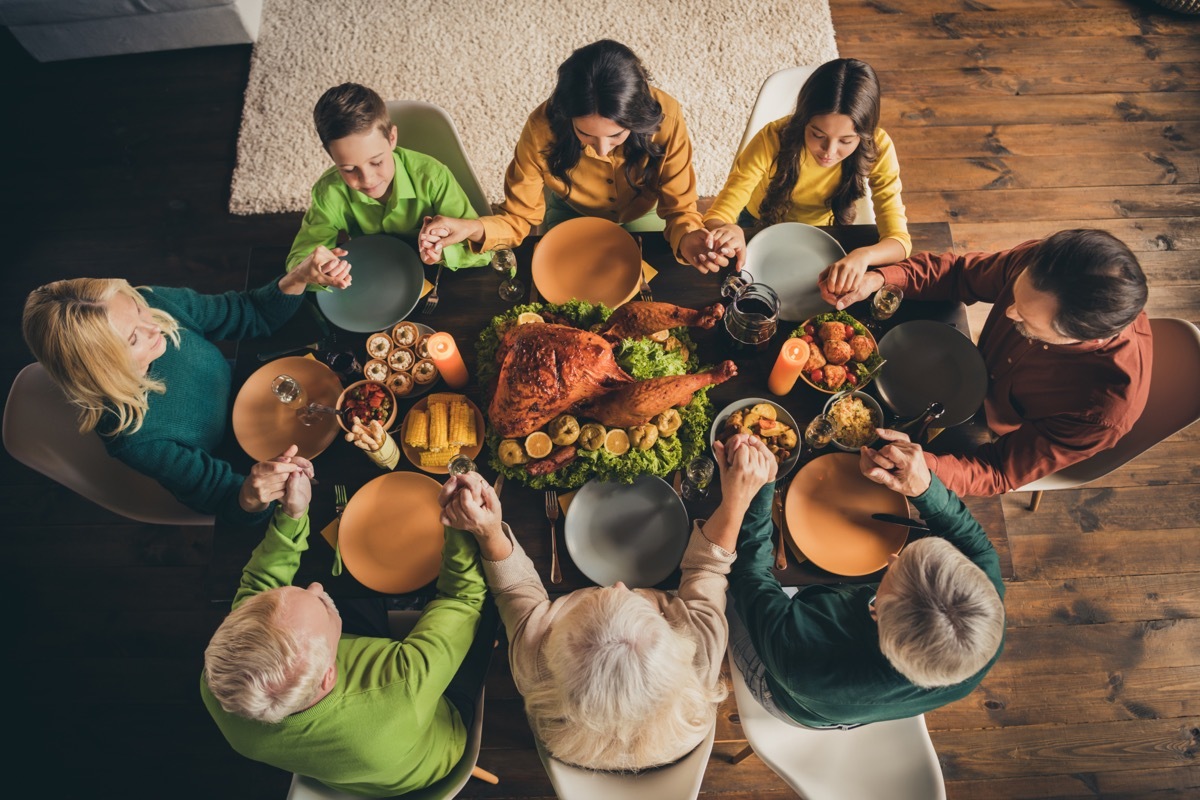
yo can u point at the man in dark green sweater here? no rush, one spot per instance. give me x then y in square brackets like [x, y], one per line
[366, 715]
[848, 654]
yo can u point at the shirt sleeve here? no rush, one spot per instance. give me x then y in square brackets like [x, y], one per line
[677, 196]
[702, 589]
[524, 205]
[890, 216]
[1032, 451]
[524, 607]
[445, 196]
[946, 515]
[231, 315]
[275, 561]
[752, 167]
[969, 278]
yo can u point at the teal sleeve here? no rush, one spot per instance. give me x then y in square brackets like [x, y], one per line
[275, 561]
[447, 198]
[948, 518]
[231, 315]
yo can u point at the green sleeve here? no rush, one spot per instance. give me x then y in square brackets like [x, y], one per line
[948, 518]
[447, 198]
[275, 561]
[320, 226]
[231, 315]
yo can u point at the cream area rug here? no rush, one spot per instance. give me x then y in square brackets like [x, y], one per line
[490, 62]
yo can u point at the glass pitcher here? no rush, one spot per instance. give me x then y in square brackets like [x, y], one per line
[753, 313]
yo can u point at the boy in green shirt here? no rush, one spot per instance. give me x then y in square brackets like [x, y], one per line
[365, 715]
[374, 186]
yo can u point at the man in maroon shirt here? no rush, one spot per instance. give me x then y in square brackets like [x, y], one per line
[1067, 347]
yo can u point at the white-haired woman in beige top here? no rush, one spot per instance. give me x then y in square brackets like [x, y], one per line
[613, 678]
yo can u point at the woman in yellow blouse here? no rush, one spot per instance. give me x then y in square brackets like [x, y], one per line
[813, 165]
[604, 145]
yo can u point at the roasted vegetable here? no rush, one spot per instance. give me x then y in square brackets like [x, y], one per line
[564, 429]
[511, 453]
[765, 410]
[643, 437]
[591, 436]
[668, 422]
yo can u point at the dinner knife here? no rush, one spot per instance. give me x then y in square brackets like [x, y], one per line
[905, 521]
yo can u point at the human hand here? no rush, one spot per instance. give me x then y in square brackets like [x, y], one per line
[269, 481]
[369, 437]
[899, 465]
[439, 232]
[730, 240]
[866, 285]
[699, 249]
[469, 503]
[323, 267]
[746, 465]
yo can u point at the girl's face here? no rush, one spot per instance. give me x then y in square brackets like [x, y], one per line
[830, 138]
[601, 133]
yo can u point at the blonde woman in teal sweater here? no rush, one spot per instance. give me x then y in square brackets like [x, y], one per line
[141, 366]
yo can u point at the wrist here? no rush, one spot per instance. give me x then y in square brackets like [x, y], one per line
[477, 232]
[291, 283]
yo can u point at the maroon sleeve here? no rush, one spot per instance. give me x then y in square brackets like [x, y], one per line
[969, 278]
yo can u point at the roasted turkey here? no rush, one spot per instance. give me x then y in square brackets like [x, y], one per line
[547, 369]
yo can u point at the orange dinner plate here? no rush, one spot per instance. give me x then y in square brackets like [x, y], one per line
[391, 534]
[264, 427]
[829, 506]
[587, 258]
[414, 455]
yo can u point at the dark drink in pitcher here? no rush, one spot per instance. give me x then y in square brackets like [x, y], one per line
[753, 315]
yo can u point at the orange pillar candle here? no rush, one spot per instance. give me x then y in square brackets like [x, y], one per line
[788, 366]
[445, 356]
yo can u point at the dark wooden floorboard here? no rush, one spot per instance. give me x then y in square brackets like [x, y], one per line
[1012, 119]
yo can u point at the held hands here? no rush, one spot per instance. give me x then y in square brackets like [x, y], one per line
[286, 477]
[439, 232]
[323, 267]
[469, 503]
[847, 281]
[708, 251]
[899, 465]
[746, 465]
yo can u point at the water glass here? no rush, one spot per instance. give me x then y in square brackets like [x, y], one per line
[698, 474]
[818, 434]
[344, 363]
[504, 261]
[886, 302]
[461, 464]
[288, 390]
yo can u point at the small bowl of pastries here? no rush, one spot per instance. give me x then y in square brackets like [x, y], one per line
[396, 359]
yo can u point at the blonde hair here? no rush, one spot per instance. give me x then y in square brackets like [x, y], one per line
[941, 619]
[66, 325]
[623, 692]
[259, 670]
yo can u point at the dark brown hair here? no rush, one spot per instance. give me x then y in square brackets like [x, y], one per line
[349, 109]
[843, 86]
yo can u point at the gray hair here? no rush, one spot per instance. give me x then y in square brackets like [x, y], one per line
[942, 619]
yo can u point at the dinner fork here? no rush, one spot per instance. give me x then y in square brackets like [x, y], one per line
[431, 302]
[339, 498]
[646, 295]
[552, 515]
[781, 487]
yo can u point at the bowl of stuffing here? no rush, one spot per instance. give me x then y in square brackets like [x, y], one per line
[855, 417]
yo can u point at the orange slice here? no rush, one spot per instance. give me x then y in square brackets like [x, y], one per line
[617, 442]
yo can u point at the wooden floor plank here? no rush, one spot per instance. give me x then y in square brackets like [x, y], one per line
[1133, 784]
[1132, 168]
[1048, 109]
[1075, 511]
[1040, 23]
[1157, 644]
[1089, 600]
[1140, 234]
[1089, 203]
[1041, 79]
[1047, 554]
[1095, 141]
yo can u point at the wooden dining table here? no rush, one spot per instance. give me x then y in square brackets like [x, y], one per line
[469, 300]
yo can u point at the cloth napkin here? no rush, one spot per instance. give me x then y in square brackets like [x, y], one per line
[564, 500]
[330, 533]
[648, 272]
[426, 288]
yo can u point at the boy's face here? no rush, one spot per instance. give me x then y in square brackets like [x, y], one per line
[364, 160]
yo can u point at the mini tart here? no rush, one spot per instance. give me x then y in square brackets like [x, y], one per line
[376, 370]
[422, 348]
[379, 345]
[425, 371]
[401, 359]
[405, 334]
[401, 383]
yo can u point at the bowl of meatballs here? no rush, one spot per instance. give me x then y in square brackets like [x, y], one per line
[843, 354]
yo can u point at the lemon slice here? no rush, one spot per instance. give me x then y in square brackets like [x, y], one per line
[617, 442]
[538, 444]
[528, 317]
[660, 336]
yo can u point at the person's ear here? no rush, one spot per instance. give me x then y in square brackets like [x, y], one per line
[392, 136]
[329, 678]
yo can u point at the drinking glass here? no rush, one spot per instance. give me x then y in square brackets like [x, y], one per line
[504, 261]
[885, 303]
[288, 390]
[344, 363]
[818, 434]
[461, 464]
[697, 475]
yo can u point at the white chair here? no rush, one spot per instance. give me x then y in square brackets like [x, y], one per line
[305, 788]
[428, 129]
[1173, 404]
[41, 430]
[893, 759]
[777, 98]
[678, 781]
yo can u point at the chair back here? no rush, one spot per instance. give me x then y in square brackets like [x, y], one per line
[893, 759]
[777, 98]
[41, 430]
[1172, 404]
[428, 129]
[678, 781]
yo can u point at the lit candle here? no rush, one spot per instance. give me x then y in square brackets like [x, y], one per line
[788, 366]
[444, 354]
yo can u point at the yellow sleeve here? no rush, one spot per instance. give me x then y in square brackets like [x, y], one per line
[750, 168]
[890, 217]
[524, 205]
[677, 195]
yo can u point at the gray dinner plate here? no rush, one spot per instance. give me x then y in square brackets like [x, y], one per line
[387, 279]
[930, 361]
[788, 257]
[634, 533]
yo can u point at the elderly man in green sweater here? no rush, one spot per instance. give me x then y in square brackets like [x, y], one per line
[849, 654]
[366, 715]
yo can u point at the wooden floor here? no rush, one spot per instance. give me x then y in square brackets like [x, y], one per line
[1010, 124]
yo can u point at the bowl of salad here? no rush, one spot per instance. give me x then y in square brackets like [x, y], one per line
[843, 354]
[367, 401]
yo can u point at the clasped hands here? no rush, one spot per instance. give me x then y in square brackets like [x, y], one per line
[287, 478]
[899, 464]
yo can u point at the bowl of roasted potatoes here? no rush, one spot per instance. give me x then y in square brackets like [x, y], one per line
[765, 420]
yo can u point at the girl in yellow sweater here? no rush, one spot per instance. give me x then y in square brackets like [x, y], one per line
[813, 166]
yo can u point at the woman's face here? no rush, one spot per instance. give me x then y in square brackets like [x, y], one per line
[135, 325]
[601, 133]
[830, 138]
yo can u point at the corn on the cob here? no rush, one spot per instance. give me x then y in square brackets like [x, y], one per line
[439, 458]
[439, 427]
[461, 423]
[417, 433]
[445, 397]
